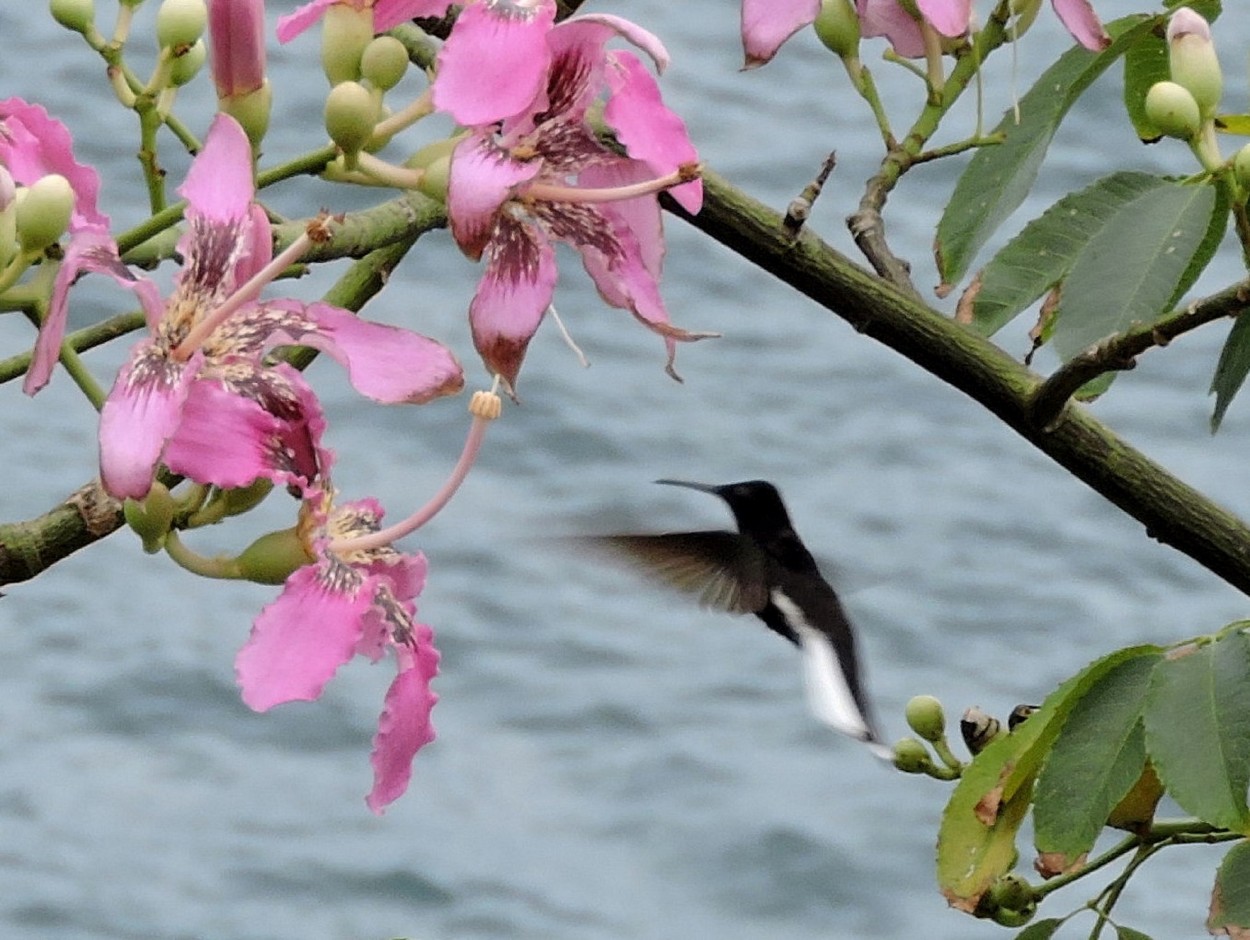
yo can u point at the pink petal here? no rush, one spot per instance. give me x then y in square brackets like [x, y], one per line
[219, 183]
[404, 727]
[512, 297]
[258, 250]
[494, 63]
[649, 130]
[389, 13]
[89, 250]
[948, 17]
[299, 641]
[482, 178]
[886, 18]
[386, 363]
[227, 440]
[32, 145]
[237, 43]
[293, 24]
[1083, 23]
[766, 24]
[139, 416]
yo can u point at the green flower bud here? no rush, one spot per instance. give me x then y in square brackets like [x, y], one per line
[1173, 110]
[43, 211]
[78, 15]
[181, 22]
[151, 517]
[351, 114]
[272, 558]
[186, 66]
[384, 62]
[1192, 59]
[1011, 901]
[1241, 166]
[245, 498]
[925, 717]
[251, 110]
[911, 757]
[8, 217]
[345, 32]
[837, 26]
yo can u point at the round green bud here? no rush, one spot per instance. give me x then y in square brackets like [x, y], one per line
[911, 757]
[384, 62]
[1173, 110]
[345, 32]
[245, 498]
[151, 516]
[925, 717]
[1241, 166]
[186, 66]
[181, 22]
[351, 114]
[251, 110]
[837, 26]
[43, 211]
[1192, 60]
[273, 557]
[78, 15]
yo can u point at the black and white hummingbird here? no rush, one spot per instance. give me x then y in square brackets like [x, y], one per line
[766, 570]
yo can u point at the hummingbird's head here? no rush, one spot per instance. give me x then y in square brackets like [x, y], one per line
[756, 504]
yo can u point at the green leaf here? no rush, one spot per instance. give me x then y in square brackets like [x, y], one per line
[999, 177]
[1096, 759]
[1137, 263]
[1230, 901]
[1198, 729]
[1128, 933]
[1145, 63]
[977, 838]
[1231, 369]
[1043, 253]
[1238, 124]
[1040, 929]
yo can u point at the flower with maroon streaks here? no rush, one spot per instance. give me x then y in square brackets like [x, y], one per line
[348, 602]
[350, 592]
[198, 394]
[542, 176]
[32, 146]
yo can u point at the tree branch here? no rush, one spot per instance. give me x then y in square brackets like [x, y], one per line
[1173, 512]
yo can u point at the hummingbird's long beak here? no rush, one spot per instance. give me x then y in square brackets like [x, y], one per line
[701, 487]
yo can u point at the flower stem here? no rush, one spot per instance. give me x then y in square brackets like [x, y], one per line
[222, 567]
[485, 408]
[245, 294]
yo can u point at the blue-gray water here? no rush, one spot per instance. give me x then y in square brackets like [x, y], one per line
[611, 763]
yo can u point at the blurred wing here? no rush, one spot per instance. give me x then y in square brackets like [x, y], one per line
[724, 570]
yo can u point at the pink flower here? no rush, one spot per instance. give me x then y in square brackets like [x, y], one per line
[33, 145]
[347, 603]
[766, 24]
[197, 393]
[542, 176]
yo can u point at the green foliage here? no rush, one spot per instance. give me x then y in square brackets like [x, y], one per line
[1230, 901]
[1094, 763]
[1138, 263]
[1231, 369]
[999, 177]
[1198, 729]
[1099, 752]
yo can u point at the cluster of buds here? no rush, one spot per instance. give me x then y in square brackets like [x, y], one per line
[180, 28]
[32, 219]
[1184, 107]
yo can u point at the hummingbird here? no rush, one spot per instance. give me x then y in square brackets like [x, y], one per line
[765, 569]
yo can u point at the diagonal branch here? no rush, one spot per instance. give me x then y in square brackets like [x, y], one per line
[1173, 512]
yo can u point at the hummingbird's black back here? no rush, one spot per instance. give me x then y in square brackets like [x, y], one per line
[765, 569]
